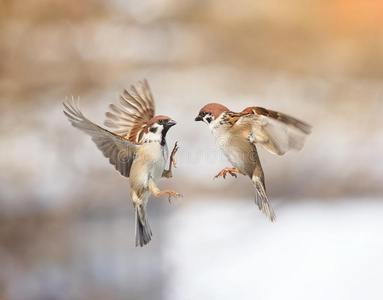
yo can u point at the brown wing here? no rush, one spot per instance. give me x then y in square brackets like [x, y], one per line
[120, 151]
[130, 117]
[275, 131]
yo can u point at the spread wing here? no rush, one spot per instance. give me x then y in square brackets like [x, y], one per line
[135, 110]
[274, 131]
[120, 151]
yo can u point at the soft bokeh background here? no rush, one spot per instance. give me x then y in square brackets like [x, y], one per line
[66, 218]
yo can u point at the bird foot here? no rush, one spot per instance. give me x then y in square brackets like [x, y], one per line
[171, 194]
[172, 160]
[231, 171]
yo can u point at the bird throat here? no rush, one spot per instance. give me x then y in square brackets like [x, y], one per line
[163, 136]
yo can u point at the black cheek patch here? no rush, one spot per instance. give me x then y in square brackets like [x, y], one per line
[153, 129]
[209, 119]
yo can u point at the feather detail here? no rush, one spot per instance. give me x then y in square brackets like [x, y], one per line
[130, 117]
[120, 151]
[230, 118]
[143, 231]
[278, 133]
[261, 199]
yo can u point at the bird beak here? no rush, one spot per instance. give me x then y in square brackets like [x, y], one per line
[198, 118]
[170, 123]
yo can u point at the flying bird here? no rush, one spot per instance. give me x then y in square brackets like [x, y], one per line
[135, 145]
[238, 134]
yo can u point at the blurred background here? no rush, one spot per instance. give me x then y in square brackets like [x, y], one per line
[66, 218]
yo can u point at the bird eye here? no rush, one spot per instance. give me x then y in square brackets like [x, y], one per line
[161, 122]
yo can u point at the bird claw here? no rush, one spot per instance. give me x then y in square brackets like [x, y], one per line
[171, 194]
[174, 194]
[224, 172]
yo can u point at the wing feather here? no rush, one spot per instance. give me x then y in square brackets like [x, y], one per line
[275, 131]
[130, 117]
[120, 151]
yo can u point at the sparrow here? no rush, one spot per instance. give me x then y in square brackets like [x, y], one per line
[135, 145]
[238, 134]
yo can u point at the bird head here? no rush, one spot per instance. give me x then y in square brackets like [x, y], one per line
[210, 112]
[157, 128]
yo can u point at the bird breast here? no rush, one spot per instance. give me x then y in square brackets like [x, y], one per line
[150, 162]
[238, 150]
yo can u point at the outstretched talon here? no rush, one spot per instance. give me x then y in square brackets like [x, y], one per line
[172, 160]
[231, 171]
[171, 193]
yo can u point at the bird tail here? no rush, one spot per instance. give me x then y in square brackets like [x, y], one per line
[261, 199]
[143, 231]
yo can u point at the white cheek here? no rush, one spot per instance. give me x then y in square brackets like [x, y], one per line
[150, 135]
[153, 136]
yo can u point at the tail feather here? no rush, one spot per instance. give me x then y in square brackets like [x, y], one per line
[261, 199]
[143, 231]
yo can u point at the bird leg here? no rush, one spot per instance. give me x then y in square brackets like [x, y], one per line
[156, 192]
[172, 160]
[229, 170]
[168, 173]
